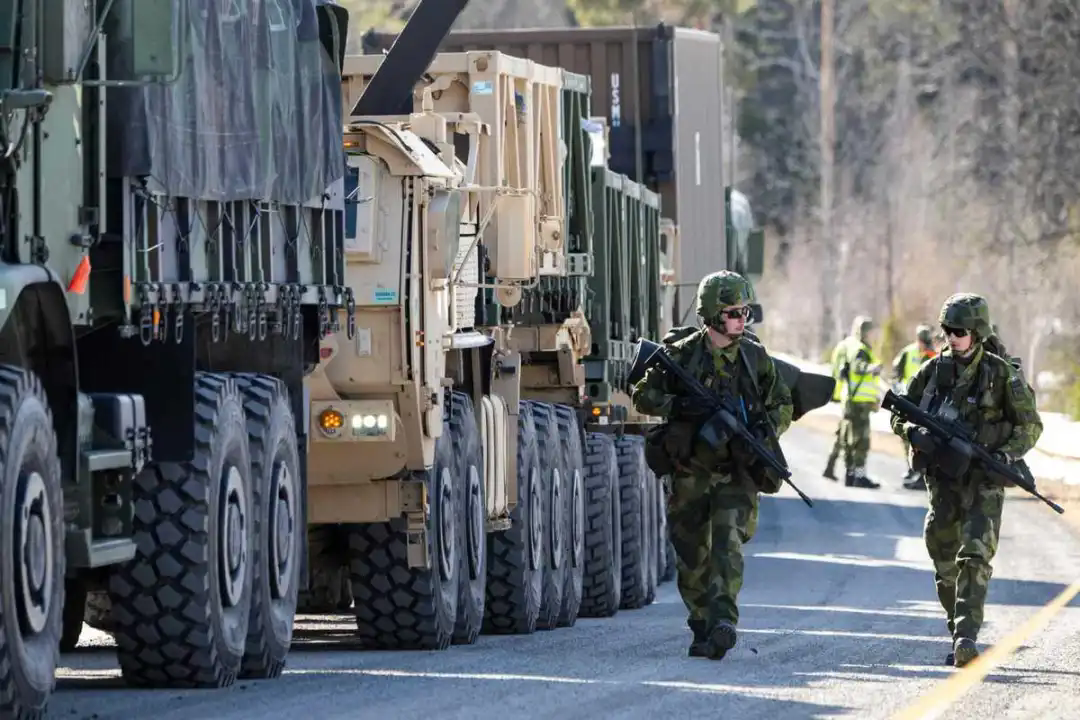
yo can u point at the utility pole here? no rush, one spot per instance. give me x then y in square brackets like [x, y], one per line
[830, 279]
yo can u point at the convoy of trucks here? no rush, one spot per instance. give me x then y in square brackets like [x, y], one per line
[359, 325]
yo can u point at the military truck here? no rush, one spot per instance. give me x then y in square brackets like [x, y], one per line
[171, 230]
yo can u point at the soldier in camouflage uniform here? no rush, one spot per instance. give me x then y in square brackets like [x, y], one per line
[974, 383]
[713, 508]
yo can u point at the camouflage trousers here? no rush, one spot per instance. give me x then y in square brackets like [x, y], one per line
[962, 528]
[710, 520]
[856, 431]
[838, 444]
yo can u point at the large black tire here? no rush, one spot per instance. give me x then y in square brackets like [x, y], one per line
[602, 581]
[329, 587]
[32, 568]
[516, 555]
[633, 501]
[574, 462]
[469, 472]
[275, 479]
[402, 608]
[74, 611]
[554, 492]
[181, 607]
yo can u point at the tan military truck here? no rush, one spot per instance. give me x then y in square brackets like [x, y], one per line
[449, 467]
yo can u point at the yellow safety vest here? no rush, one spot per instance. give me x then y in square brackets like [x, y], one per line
[913, 360]
[860, 388]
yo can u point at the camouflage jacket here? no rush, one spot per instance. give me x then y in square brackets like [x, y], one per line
[752, 377]
[987, 394]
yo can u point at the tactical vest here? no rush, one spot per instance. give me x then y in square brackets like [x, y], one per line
[973, 406]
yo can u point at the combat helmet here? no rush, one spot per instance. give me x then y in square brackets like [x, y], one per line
[720, 290]
[925, 334]
[861, 325]
[968, 311]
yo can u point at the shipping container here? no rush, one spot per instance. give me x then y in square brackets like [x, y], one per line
[660, 91]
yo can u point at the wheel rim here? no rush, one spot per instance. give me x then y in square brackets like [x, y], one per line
[234, 537]
[282, 530]
[445, 509]
[556, 516]
[577, 520]
[536, 519]
[475, 528]
[35, 562]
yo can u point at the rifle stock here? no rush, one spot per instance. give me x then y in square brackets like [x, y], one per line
[963, 444]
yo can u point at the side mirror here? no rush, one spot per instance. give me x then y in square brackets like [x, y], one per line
[757, 313]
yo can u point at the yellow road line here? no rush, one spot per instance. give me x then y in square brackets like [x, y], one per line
[939, 699]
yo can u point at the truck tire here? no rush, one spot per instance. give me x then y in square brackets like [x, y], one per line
[402, 608]
[329, 586]
[32, 570]
[554, 491]
[633, 499]
[574, 462]
[181, 607]
[516, 555]
[472, 535]
[602, 581]
[276, 517]
[74, 612]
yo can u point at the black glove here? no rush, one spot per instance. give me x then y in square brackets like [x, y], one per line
[1003, 457]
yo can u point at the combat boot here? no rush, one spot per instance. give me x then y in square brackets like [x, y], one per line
[964, 651]
[858, 479]
[721, 639]
[830, 469]
[916, 483]
[699, 646]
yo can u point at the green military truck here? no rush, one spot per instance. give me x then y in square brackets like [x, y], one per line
[171, 220]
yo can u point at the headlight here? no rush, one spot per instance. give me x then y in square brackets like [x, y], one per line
[369, 424]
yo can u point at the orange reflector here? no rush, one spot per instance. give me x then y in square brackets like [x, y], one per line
[81, 277]
[596, 411]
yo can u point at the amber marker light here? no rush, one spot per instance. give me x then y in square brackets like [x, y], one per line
[331, 421]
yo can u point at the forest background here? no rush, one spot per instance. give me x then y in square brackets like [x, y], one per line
[935, 150]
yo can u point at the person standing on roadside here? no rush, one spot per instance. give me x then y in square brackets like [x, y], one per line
[906, 363]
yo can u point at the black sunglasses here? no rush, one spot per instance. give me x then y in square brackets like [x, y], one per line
[954, 331]
[736, 313]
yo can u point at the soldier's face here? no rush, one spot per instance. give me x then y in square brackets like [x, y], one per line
[735, 319]
[959, 339]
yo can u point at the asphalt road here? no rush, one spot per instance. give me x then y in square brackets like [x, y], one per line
[839, 619]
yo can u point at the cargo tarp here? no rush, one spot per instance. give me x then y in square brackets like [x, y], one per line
[256, 113]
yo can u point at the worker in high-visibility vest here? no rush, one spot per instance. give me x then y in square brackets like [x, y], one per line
[861, 393]
[906, 363]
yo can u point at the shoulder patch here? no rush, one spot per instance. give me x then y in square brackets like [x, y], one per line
[1016, 387]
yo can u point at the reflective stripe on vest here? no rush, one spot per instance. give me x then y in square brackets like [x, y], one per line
[861, 388]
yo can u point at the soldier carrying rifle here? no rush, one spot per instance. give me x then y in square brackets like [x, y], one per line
[718, 452]
[969, 417]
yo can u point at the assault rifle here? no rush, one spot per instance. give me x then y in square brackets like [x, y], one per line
[724, 412]
[953, 447]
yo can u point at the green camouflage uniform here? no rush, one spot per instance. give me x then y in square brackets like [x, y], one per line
[987, 394]
[713, 508]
